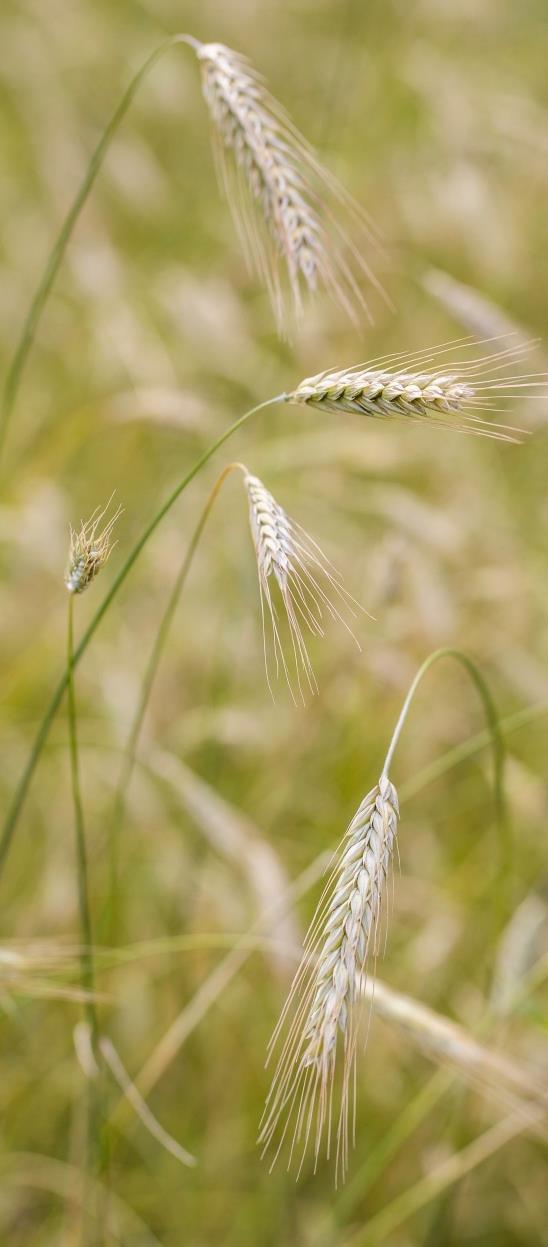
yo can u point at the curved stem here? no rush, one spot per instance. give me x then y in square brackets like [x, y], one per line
[21, 791]
[58, 250]
[128, 760]
[497, 742]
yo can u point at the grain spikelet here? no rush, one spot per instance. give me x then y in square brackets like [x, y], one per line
[307, 582]
[285, 205]
[453, 393]
[89, 550]
[321, 1017]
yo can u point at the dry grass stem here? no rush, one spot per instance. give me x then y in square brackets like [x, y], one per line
[309, 585]
[128, 1088]
[322, 1013]
[275, 171]
[438, 386]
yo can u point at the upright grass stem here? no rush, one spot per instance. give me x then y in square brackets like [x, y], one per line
[128, 760]
[21, 791]
[94, 1153]
[57, 253]
[81, 855]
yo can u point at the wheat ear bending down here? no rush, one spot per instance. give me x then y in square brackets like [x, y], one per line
[285, 205]
[440, 386]
[320, 1022]
[308, 584]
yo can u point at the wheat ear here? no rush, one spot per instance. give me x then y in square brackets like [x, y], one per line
[436, 386]
[308, 584]
[343, 936]
[90, 547]
[285, 205]
[322, 1013]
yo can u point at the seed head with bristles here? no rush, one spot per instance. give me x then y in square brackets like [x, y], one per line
[307, 582]
[425, 387]
[284, 204]
[320, 1020]
[89, 550]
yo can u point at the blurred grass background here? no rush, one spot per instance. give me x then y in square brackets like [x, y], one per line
[155, 338]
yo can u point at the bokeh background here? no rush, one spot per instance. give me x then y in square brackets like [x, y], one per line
[155, 338]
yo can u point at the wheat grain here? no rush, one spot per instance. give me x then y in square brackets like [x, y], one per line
[322, 1011]
[89, 550]
[275, 170]
[449, 393]
[306, 580]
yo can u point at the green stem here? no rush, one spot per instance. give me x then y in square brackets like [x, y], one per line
[21, 791]
[501, 811]
[58, 250]
[81, 856]
[128, 761]
[93, 1107]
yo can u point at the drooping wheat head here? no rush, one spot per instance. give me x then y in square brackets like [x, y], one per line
[307, 583]
[452, 393]
[285, 205]
[320, 1020]
[89, 550]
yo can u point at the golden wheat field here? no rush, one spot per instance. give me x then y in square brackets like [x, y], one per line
[273, 456]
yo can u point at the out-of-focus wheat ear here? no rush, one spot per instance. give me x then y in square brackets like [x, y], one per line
[289, 212]
[307, 583]
[319, 1026]
[437, 386]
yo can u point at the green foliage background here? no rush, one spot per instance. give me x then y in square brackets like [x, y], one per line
[434, 115]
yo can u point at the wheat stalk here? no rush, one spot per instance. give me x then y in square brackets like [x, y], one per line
[452, 393]
[88, 553]
[275, 170]
[307, 582]
[342, 937]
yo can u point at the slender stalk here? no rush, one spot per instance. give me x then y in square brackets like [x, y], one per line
[497, 742]
[93, 1153]
[81, 855]
[21, 791]
[128, 760]
[57, 253]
